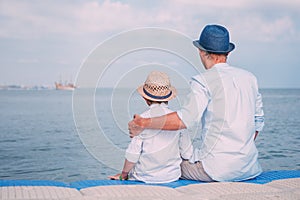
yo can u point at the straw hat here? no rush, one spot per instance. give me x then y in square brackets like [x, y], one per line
[157, 87]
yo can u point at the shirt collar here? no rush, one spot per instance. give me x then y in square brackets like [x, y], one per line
[157, 104]
[221, 65]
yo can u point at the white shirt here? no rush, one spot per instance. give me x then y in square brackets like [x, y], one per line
[158, 153]
[226, 105]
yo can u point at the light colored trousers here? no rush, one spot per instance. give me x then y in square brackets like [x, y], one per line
[194, 171]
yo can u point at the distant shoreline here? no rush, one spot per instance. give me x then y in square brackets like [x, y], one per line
[22, 87]
[47, 87]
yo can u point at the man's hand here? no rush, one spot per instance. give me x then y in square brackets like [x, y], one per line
[256, 134]
[135, 126]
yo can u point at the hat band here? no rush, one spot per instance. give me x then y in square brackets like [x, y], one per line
[157, 97]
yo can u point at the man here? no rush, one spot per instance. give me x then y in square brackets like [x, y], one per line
[226, 106]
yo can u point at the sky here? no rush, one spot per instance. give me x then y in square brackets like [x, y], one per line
[44, 41]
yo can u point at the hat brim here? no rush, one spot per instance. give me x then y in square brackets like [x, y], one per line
[142, 93]
[196, 44]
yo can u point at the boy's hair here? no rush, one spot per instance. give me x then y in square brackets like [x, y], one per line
[158, 102]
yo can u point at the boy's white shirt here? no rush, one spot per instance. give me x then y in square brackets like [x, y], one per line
[158, 153]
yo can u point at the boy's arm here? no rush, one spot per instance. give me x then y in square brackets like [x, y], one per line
[132, 155]
[126, 169]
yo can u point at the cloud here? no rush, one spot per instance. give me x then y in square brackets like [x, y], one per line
[24, 19]
[42, 19]
[234, 4]
[61, 33]
[257, 28]
[28, 61]
[216, 3]
[108, 16]
[282, 28]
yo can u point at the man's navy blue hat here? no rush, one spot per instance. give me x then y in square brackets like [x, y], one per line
[214, 39]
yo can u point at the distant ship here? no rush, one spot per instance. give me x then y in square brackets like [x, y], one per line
[67, 86]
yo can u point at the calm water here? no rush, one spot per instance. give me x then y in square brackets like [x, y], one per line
[39, 139]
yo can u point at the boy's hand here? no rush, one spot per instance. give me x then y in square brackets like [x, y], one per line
[115, 177]
[135, 126]
[121, 177]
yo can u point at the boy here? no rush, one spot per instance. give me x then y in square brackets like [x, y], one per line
[155, 155]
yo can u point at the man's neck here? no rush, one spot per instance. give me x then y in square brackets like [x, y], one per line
[215, 59]
[213, 64]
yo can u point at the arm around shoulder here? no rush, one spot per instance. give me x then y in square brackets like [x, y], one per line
[170, 121]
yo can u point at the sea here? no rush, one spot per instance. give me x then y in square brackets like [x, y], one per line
[48, 135]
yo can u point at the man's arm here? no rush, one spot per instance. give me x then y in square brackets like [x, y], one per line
[191, 112]
[170, 121]
[259, 115]
[256, 134]
[185, 145]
